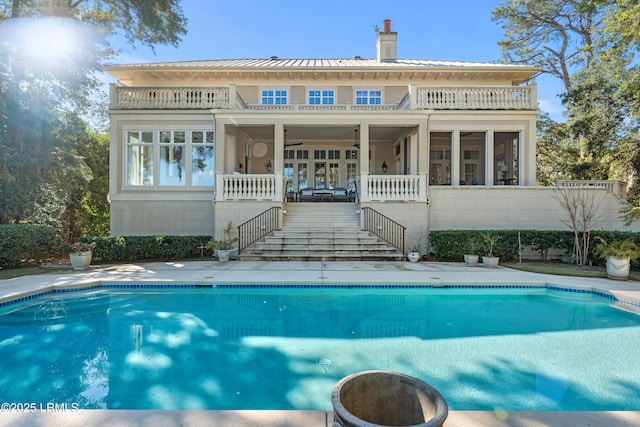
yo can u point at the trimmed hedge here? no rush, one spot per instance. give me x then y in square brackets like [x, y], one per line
[22, 242]
[138, 248]
[450, 245]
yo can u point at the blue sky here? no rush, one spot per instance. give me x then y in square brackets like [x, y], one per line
[456, 30]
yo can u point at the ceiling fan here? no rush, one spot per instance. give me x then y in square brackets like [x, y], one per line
[293, 144]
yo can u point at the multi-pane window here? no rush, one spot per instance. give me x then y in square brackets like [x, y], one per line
[274, 97]
[184, 158]
[334, 175]
[172, 150]
[334, 154]
[368, 97]
[322, 97]
[472, 158]
[351, 154]
[320, 174]
[139, 157]
[319, 154]
[440, 167]
[288, 175]
[202, 158]
[471, 168]
[352, 170]
[303, 176]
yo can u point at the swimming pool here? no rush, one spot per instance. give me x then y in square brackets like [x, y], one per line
[265, 347]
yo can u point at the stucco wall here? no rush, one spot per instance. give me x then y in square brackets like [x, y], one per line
[167, 217]
[411, 215]
[512, 208]
[500, 208]
[238, 212]
[449, 208]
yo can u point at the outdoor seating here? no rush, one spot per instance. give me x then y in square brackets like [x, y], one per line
[324, 195]
[339, 194]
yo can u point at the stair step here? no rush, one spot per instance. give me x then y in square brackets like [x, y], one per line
[321, 232]
[314, 257]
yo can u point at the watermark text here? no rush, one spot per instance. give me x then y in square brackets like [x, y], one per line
[38, 407]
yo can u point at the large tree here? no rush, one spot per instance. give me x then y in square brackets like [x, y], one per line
[556, 35]
[50, 51]
[555, 156]
[151, 22]
[591, 46]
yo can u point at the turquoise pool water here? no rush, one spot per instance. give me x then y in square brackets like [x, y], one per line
[285, 348]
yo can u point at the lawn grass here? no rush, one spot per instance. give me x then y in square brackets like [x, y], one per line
[561, 269]
[10, 273]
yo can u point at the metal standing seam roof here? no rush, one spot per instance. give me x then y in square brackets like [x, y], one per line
[356, 63]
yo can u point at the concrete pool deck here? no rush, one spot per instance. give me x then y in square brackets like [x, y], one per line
[345, 272]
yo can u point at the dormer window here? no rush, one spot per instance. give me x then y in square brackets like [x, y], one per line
[368, 97]
[273, 97]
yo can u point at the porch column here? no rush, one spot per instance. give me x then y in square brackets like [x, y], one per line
[423, 147]
[527, 160]
[278, 160]
[364, 162]
[414, 155]
[219, 160]
[278, 148]
[455, 159]
[233, 96]
[423, 157]
[489, 164]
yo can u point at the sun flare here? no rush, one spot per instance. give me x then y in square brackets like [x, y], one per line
[47, 42]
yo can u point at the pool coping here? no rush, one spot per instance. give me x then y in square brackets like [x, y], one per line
[354, 274]
[631, 303]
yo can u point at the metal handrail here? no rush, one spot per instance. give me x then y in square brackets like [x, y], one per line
[383, 227]
[257, 227]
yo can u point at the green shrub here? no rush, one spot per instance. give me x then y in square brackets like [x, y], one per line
[139, 248]
[21, 242]
[451, 245]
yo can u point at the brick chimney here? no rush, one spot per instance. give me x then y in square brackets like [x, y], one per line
[386, 43]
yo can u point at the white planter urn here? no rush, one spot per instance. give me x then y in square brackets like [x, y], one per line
[223, 255]
[618, 268]
[471, 260]
[80, 260]
[490, 261]
[413, 256]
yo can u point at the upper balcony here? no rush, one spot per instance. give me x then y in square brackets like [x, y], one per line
[417, 98]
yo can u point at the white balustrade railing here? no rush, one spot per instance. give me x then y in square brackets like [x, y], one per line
[616, 187]
[327, 107]
[434, 98]
[136, 98]
[393, 188]
[250, 187]
[475, 98]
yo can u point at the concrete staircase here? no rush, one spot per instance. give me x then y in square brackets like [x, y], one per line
[318, 231]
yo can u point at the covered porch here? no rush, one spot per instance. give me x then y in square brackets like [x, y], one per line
[283, 162]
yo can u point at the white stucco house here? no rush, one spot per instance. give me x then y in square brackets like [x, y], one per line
[430, 144]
